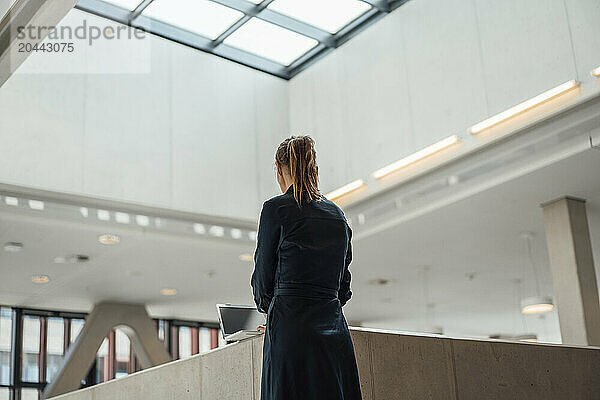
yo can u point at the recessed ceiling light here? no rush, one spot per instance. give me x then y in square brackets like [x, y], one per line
[168, 292]
[59, 260]
[199, 229]
[40, 279]
[109, 238]
[216, 230]
[536, 305]
[380, 282]
[236, 233]
[596, 72]
[36, 205]
[13, 247]
[361, 218]
[83, 211]
[252, 235]
[453, 180]
[121, 217]
[210, 273]
[78, 258]
[11, 201]
[246, 257]
[103, 215]
[142, 220]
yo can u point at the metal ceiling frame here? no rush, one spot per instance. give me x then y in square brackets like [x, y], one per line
[327, 41]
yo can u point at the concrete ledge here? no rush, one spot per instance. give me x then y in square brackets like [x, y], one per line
[391, 366]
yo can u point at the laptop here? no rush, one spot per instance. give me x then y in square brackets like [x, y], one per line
[239, 322]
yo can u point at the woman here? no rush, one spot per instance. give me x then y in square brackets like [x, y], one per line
[301, 281]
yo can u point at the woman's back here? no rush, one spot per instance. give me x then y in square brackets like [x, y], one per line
[301, 281]
[313, 242]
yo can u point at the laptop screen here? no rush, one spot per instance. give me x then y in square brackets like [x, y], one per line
[239, 318]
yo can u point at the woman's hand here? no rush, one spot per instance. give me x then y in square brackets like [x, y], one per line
[262, 328]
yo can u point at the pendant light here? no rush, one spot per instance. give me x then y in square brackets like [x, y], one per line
[536, 304]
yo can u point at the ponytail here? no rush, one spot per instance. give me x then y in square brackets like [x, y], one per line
[299, 155]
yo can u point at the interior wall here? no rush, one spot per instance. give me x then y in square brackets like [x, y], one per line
[148, 122]
[432, 69]
[197, 133]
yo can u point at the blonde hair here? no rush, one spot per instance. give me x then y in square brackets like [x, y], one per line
[298, 154]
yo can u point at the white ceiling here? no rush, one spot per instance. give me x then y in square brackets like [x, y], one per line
[479, 235]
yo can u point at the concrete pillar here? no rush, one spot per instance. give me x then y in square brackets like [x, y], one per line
[573, 273]
[132, 319]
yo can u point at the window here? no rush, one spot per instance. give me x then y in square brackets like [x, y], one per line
[55, 343]
[102, 363]
[53, 332]
[31, 349]
[30, 394]
[185, 342]
[76, 327]
[5, 345]
[204, 340]
[122, 353]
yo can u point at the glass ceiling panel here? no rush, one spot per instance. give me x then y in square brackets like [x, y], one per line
[126, 4]
[270, 41]
[203, 17]
[280, 37]
[329, 15]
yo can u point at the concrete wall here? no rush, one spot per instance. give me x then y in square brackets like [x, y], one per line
[146, 121]
[198, 133]
[432, 69]
[391, 366]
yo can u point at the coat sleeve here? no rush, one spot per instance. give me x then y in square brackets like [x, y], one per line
[266, 257]
[345, 293]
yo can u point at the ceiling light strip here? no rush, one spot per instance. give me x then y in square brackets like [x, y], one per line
[524, 106]
[346, 189]
[417, 156]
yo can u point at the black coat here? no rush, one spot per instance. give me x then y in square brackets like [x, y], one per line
[301, 280]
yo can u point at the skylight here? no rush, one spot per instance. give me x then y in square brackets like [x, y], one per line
[203, 17]
[330, 15]
[280, 37]
[270, 41]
